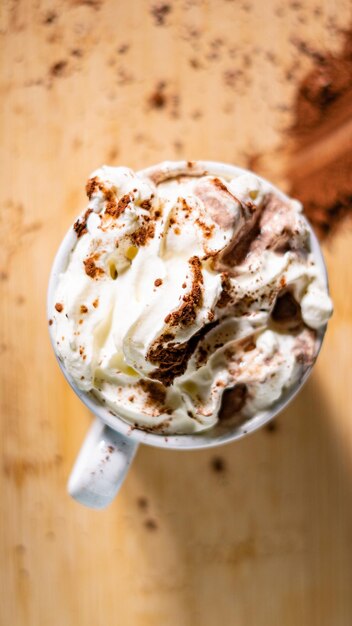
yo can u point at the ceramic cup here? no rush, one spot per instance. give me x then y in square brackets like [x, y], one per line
[111, 443]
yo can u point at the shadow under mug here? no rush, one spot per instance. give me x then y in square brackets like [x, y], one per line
[111, 443]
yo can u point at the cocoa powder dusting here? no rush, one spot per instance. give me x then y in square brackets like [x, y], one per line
[143, 234]
[187, 312]
[225, 296]
[91, 269]
[114, 208]
[172, 357]
[80, 226]
[92, 186]
[220, 185]
[207, 229]
[156, 394]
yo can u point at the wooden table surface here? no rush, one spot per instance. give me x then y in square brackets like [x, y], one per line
[268, 539]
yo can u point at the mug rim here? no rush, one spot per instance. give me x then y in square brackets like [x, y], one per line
[191, 441]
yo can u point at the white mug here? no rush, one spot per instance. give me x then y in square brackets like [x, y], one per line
[111, 443]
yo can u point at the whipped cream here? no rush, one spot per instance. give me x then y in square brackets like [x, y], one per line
[188, 297]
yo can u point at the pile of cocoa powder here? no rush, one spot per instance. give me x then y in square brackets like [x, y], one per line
[322, 114]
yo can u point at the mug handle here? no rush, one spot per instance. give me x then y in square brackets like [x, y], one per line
[101, 466]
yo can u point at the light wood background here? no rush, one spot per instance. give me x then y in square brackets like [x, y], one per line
[267, 541]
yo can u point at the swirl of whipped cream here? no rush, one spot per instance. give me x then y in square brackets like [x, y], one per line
[186, 290]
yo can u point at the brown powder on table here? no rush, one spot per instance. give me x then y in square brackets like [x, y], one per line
[158, 99]
[151, 524]
[77, 52]
[142, 503]
[322, 120]
[58, 69]
[162, 98]
[123, 48]
[195, 63]
[271, 427]
[50, 18]
[218, 464]
[93, 4]
[159, 12]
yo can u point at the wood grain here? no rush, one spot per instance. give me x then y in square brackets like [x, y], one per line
[267, 540]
